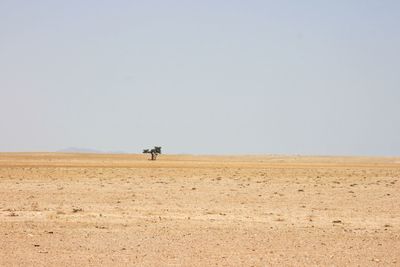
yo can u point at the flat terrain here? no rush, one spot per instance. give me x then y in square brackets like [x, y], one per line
[124, 210]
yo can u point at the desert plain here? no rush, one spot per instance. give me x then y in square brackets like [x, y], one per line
[124, 210]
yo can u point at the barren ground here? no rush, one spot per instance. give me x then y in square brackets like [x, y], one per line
[123, 210]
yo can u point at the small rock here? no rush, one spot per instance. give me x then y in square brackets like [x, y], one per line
[337, 221]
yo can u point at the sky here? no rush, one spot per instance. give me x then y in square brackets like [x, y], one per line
[201, 77]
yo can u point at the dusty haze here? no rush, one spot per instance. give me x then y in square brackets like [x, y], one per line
[204, 77]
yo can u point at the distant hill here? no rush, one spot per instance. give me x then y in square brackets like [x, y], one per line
[87, 150]
[79, 150]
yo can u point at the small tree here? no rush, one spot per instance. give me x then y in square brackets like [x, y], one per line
[154, 152]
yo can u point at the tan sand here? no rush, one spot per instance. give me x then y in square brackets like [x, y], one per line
[124, 210]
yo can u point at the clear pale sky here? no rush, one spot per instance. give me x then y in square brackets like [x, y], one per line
[201, 77]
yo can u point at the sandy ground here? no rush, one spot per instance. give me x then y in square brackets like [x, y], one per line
[124, 210]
